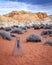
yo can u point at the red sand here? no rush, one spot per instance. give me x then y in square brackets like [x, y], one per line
[33, 53]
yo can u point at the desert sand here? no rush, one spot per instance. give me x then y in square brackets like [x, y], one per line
[33, 53]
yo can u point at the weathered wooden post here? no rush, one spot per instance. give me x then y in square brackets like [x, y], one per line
[17, 51]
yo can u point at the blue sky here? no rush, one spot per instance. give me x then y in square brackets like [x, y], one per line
[27, 5]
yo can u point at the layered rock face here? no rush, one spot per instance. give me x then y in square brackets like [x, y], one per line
[24, 18]
[6, 21]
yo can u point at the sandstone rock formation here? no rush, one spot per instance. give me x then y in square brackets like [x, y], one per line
[26, 16]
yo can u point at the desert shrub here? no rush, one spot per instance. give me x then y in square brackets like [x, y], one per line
[17, 30]
[33, 38]
[1, 28]
[44, 32]
[47, 32]
[13, 35]
[7, 28]
[48, 42]
[36, 27]
[5, 35]
[47, 26]
[41, 25]
[23, 28]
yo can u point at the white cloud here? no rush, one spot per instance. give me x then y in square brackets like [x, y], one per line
[6, 7]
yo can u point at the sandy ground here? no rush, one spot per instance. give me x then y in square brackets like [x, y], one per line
[33, 53]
